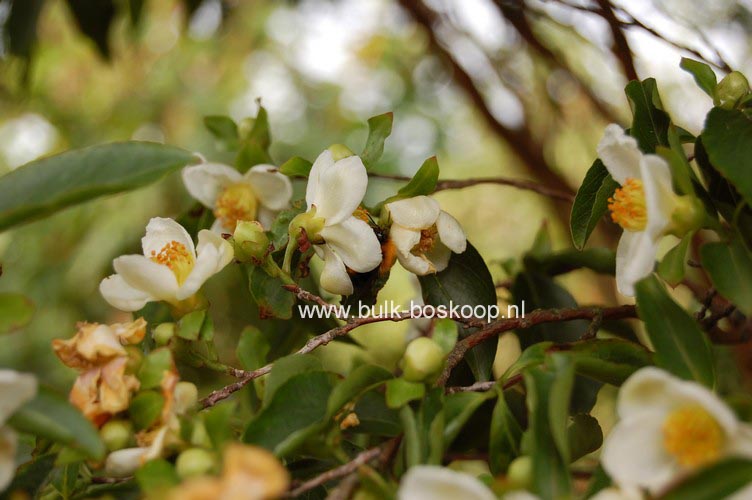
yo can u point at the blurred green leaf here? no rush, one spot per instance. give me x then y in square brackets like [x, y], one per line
[504, 440]
[399, 392]
[411, 437]
[254, 146]
[672, 267]
[719, 480]
[445, 334]
[590, 203]
[431, 422]
[189, 326]
[650, 122]
[52, 417]
[702, 73]
[16, 312]
[217, 421]
[729, 266]
[30, 477]
[286, 368]
[459, 407]
[727, 138]
[43, 187]
[600, 260]
[252, 348]
[296, 166]
[153, 367]
[21, 26]
[361, 379]
[94, 18]
[273, 301]
[608, 360]
[279, 232]
[224, 129]
[584, 436]
[559, 398]
[146, 408]
[155, 476]
[379, 128]
[681, 347]
[375, 416]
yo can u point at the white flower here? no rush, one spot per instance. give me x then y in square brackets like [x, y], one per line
[424, 235]
[618, 494]
[15, 390]
[170, 269]
[123, 463]
[334, 192]
[669, 427]
[642, 206]
[256, 195]
[431, 482]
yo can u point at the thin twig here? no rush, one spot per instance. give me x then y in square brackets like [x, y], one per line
[486, 386]
[620, 46]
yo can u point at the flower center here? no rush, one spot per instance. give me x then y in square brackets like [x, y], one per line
[427, 241]
[236, 203]
[175, 256]
[628, 206]
[692, 436]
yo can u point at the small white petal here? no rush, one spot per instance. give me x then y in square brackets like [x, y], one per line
[648, 388]
[16, 388]
[419, 212]
[206, 181]
[265, 217]
[439, 256]
[121, 295]
[273, 189]
[618, 494]
[429, 482]
[620, 154]
[659, 194]
[324, 161]
[214, 253]
[451, 233]
[218, 228]
[160, 231]
[123, 463]
[355, 243]
[146, 275]
[8, 447]
[341, 189]
[334, 277]
[635, 259]
[741, 443]
[404, 240]
[743, 494]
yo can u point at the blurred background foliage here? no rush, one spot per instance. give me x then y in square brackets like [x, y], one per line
[493, 88]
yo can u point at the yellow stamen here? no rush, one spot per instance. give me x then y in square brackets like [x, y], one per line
[628, 206]
[237, 202]
[428, 238]
[175, 256]
[692, 436]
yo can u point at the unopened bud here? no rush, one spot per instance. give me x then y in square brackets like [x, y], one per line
[186, 396]
[117, 434]
[730, 90]
[195, 462]
[340, 151]
[250, 241]
[423, 359]
[520, 472]
[163, 333]
[688, 215]
[308, 222]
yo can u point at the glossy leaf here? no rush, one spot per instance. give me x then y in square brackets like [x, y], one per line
[590, 203]
[16, 312]
[729, 266]
[399, 392]
[379, 128]
[273, 301]
[505, 435]
[650, 122]
[727, 139]
[702, 73]
[296, 167]
[673, 265]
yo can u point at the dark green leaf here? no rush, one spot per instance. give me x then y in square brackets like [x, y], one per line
[45, 186]
[273, 301]
[681, 347]
[504, 441]
[584, 436]
[719, 480]
[728, 141]
[94, 18]
[361, 379]
[254, 148]
[252, 348]
[729, 266]
[399, 392]
[411, 437]
[590, 203]
[608, 360]
[30, 477]
[286, 368]
[375, 417]
[702, 73]
[650, 122]
[296, 167]
[224, 129]
[379, 128]
[459, 408]
[146, 408]
[21, 26]
[559, 401]
[431, 422]
[671, 268]
[600, 260]
[16, 312]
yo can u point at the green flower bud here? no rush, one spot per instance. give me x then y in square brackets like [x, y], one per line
[423, 360]
[186, 396]
[117, 434]
[195, 462]
[163, 333]
[250, 242]
[688, 215]
[308, 221]
[520, 472]
[340, 151]
[730, 90]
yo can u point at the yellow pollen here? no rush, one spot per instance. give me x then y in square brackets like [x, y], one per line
[362, 214]
[628, 206]
[236, 203]
[692, 436]
[175, 256]
[427, 241]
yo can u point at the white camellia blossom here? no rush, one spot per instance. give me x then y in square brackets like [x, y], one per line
[642, 206]
[424, 235]
[431, 482]
[668, 428]
[334, 192]
[256, 195]
[171, 268]
[15, 390]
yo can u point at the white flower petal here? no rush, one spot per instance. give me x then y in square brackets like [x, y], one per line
[429, 482]
[8, 447]
[16, 388]
[419, 212]
[340, 190]
[324, 161]
[218, 228]
[265, 217]
[273, 189]
[439, 256]
[334, 277]
[741, 444]
[123, 463]
[160, 231]
[632, 454]
[404, 240]
[355, 243]
[744, 493]
[648, 388]
[146, 275]
[613, 493]
[635, 259]
[214, 253]
[659, 194]
[620, 154]
[684, 393]
[206, 181]
[451, 233]
[121, 295]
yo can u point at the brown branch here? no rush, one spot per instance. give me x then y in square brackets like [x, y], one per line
[620, 46]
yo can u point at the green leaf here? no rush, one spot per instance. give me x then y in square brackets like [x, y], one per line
[672, 267]
[279, 234]
[590, 203]
[399, 392]
[30, 477]
[252, 348]
[422, 183]
[431, 421]
[465, 281]
[459, 407]
[16, 312]
[375, 417]
[505, 435]
[52, 417]
[154, 366]
[729, 266]
[411, 437]
[361, 379]
[681, 347]
[584, 436]
[189, 326]
[608, 360]
[45, 186]
[650, 122]
[94, 18]
[224, 129]
[600, 260]
[728, 142]
[254, 148]
[21, 26]
[532, 356]
[146, 408]
[273, 301]
[702, 73]
[719, 480]
[286, 368]
[296, 167]
[445, 334]
[217, 422]
[559, 401]
[156, 476]
[379, 128]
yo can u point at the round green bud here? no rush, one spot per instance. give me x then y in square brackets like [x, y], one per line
[340, 151]
[163, 333]
[688, 215]
[117, 434]
[730, 90]
[195, 462]
[250, 242]
[308, 221]
[135, 357]
[423, 359]
[199, 435]
[520, 472]
[186, 396]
